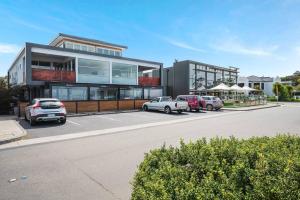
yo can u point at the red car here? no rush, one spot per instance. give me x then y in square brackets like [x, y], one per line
[195, 102]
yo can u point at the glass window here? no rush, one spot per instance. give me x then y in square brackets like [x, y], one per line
[69, 45]
[126, 93]
[210, 79]
[105, 51]
[98, 93]
[91, 49]
[93, 71]
[138, 93]
[69, 93]
[112, 53]
[83, 48]
[100, 50]
[155, 93]
[219, 76]
[167, 99]
[192, 76]
[77, 46]
[200, 80]
[124, 74]
[44, 63]
[117, 53]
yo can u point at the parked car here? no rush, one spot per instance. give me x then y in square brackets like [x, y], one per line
[213, 103]
[165, 104]
[195, 102]
[45, 109]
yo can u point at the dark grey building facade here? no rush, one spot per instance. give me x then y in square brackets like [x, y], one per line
[192, 77]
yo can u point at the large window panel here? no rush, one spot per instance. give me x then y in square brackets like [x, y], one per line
[93, 71]
[210, 79]
[69, 93]
[124, 74]
[97, 93]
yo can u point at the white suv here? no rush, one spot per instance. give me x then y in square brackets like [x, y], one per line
[45, 109]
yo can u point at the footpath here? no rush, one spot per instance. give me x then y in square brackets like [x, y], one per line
[10, 129]
[249, 108]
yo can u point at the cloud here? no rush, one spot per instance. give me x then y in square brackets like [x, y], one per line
[9, 48]
[235, 47]
[182, 44]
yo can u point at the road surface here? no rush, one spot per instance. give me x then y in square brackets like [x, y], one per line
[102, 167]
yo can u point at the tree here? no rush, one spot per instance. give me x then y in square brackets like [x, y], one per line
[5, 96]
[281, 91]
[290, 90]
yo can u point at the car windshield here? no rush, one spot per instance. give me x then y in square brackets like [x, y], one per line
[180, 99]
[50, 103]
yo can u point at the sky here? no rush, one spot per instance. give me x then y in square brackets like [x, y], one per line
[261, 37]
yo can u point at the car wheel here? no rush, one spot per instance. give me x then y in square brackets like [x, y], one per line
[209, 107]
[145, 108]
[168, 110]
[25, 117]
[197, 110]
[32, 122]
[63, 121]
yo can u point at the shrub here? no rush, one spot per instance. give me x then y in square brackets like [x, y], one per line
[257, 168]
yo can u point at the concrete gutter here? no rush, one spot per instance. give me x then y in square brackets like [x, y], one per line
[252, 107]
[10, 129]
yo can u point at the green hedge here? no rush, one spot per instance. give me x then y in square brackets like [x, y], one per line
[257, 168]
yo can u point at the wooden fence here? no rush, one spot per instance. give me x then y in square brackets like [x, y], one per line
[95, 106]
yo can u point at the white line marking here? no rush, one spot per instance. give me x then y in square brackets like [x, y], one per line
[22, 143]
[73, 122]
[109, 118]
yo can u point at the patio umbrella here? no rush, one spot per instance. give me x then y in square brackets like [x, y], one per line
[236, 88]
[221, 87]
[248, 89]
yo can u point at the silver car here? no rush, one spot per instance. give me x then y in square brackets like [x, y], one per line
[212, 103]
[45, 109]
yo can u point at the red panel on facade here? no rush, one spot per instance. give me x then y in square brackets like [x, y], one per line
[52, 75]
[149, 81]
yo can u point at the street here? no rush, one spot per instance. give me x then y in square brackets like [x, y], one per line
[101, 167]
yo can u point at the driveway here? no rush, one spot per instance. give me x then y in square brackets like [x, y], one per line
[104, 121]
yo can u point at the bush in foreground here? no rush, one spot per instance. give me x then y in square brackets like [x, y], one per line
[257, 168]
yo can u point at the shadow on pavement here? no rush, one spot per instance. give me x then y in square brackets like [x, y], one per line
[26, 125]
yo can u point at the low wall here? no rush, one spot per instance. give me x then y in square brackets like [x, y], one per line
[94, 106]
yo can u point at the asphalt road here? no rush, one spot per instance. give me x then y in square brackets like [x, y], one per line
[102, 167]
[100, 122]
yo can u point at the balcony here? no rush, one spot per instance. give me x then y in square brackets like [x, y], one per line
[149, 81]
[53, 75]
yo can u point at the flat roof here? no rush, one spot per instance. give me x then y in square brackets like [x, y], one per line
[234, 69]
[100, 42]
[90, 53]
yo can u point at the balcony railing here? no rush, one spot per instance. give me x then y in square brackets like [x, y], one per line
[53, 75]
[149, 81]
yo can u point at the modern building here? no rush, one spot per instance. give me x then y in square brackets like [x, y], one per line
[261, 83]
[192, 77]
[77, 68]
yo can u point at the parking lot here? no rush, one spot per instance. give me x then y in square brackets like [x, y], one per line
[104, 121]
